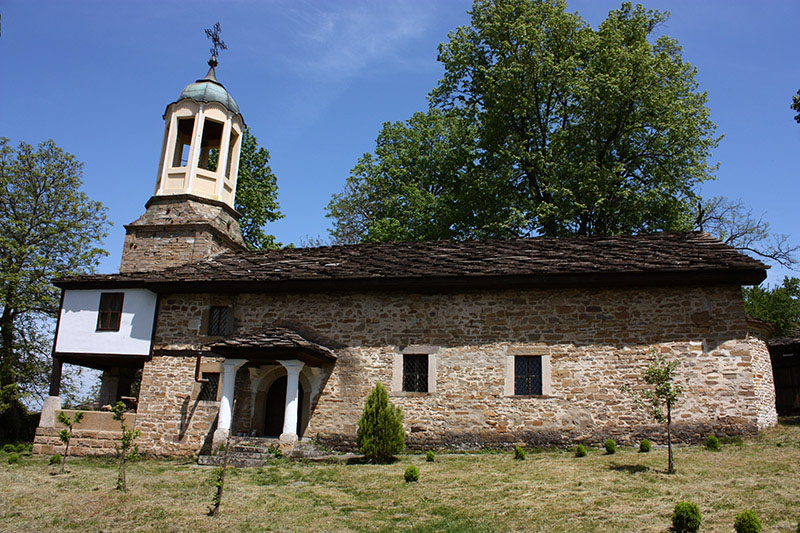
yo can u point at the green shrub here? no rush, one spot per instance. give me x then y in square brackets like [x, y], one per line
[712, 443]
[611, 446]
[645, 446]
[412, 474]
[430, 456]
[686, 517]
[519, 453]
[55, 459]
[380, 429]
[24, 447]
[9, 448]
[747, 522]
[13, 458]
[580, 451]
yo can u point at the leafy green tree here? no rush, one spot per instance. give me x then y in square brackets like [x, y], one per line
[568, 129]
[380, 429]
[796, 105]
[422, 183]
[778, 305]
[661, 396]
[127, 450]
[65, 435]
[48, 228]
[256, 194]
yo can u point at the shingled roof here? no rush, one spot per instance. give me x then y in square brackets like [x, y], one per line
[273, 340]
[670, 258]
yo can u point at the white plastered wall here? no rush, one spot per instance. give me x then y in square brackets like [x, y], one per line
[77, 329]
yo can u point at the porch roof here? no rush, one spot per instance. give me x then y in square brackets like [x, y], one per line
[272, 344]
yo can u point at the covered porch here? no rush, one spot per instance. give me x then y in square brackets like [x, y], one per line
[269, 383]
[97, 432]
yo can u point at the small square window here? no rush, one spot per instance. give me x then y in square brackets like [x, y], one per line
[208, 391]
[415, 373]
[220, 321]
[528, 375]
[110, 312]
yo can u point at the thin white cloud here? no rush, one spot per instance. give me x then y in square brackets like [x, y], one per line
[343, 39]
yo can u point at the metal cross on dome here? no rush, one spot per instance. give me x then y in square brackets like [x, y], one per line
[217, 43]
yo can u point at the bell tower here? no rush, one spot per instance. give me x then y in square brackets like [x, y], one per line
[191, 216]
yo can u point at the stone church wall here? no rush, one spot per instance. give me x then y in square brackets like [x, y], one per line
[597, 340]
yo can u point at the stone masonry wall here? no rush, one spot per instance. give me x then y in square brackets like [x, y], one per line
[597, 340]
[174, 231]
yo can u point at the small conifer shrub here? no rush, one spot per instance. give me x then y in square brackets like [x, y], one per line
[381, 435]
[519, 453]
[13, 458]
[412, 474]
[686, 518]
[747, 522]
[611, 446]
[580, 451]
[55, 459]
[712, 443]
[9, 448]
[430, 456]
[645, 446]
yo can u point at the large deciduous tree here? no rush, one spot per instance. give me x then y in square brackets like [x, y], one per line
[48, 228]
[568, 130]
[256, 194]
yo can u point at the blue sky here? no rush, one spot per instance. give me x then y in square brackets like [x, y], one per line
[315, 81]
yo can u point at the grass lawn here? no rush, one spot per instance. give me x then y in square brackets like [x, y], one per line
[549, 491]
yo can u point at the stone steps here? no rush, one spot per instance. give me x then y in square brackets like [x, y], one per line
[256, 451]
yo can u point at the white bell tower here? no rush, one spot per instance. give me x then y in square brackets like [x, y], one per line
[202, 141]
[191, 217]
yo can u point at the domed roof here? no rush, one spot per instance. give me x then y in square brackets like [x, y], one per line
[208, 89]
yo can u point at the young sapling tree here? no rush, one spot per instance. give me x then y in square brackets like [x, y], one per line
[661, 395]
[66, 434]
[125, 450]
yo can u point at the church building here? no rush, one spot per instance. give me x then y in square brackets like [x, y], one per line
[482, 343]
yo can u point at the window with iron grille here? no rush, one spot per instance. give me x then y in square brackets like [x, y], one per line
[208, 391]
[220, 320]
[110, 312]
[415, 373]
[528, 375]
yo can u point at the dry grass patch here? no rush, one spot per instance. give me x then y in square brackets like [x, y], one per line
[550, 491]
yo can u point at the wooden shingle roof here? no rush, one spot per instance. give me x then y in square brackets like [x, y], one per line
[620, 260]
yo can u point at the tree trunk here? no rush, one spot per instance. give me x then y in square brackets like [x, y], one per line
[7, 348]
[670, 463]
[66, 451]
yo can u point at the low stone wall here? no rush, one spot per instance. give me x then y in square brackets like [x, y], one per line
[97, 434]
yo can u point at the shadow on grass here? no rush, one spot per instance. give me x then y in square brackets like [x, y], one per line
[789, 420]
[631, 469]
[364, 461]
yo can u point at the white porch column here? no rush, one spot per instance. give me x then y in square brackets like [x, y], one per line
[229, 368]
[293, 368]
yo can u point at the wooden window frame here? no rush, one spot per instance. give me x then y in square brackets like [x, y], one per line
[109, 318]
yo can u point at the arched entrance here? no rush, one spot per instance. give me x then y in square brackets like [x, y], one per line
[276, 405]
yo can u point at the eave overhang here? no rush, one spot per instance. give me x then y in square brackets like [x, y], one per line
[433, 284]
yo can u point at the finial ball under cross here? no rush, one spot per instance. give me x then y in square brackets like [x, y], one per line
[217, 43]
